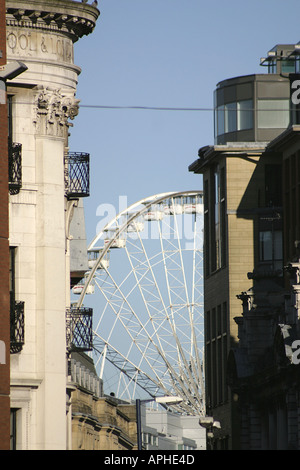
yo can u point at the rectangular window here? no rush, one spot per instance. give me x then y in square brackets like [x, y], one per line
[225, 355]
[208, 373]
[223, 233]
[215, 234]
[214, 372]
[224, 318]
[273, 185]
[216, 355]
[219, 320]
[273, 114]
[213, 323]
[272, 66]
[208, 326]
[219, 218]
[12, 275]
[10, 118]
[13, 429]
[288, 66]
[220, 370]
[270, 247]
[230, 117]
[244, 115]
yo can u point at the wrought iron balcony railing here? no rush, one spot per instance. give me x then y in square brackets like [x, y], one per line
[79, 329]
[14, 167]
[77, 174]
[17, 326]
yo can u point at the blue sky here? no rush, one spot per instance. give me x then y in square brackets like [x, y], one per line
[163, 53]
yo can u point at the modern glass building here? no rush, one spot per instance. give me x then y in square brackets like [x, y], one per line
[256, 108]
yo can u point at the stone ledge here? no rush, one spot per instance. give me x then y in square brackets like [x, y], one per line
[25, 382]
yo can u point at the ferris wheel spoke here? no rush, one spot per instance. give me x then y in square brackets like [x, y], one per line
[156, 315]
[183, 299]
[181, 356]
[149, 307]
[128, 368]
[133, 329]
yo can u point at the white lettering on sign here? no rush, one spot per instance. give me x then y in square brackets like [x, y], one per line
[296, 94]
[2, 353]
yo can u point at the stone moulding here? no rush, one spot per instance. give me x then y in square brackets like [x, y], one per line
[73, 18]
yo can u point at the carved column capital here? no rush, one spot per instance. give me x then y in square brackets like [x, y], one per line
[53, 110]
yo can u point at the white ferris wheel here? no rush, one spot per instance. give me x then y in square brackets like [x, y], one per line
[146, 277]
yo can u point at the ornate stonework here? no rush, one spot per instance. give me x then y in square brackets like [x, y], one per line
[53, 109]
[74, 19]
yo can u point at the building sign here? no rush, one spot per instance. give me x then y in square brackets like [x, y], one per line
[2, 352]
[36, 44]
[295, 97]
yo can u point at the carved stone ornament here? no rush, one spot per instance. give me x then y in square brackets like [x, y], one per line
[53, 109]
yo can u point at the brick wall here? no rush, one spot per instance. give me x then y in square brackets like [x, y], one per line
[4, 258]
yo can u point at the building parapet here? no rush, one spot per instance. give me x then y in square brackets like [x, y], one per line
[84, 377]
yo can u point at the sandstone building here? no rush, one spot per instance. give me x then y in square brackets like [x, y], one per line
[98, 422]
[243, 224]
[263, 370]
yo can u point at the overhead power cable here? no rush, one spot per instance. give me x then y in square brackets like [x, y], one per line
[154, 108]
[166, 108]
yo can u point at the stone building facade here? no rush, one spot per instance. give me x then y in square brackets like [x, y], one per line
[4, 257]
[98, 422]
[263, 370]
[243, 226]
[42, 104]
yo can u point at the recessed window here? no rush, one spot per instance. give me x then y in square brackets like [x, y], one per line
[270, 244]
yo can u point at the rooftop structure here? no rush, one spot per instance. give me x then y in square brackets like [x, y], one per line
[256, 108]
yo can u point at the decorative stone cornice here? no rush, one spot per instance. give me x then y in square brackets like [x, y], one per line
[75, 19]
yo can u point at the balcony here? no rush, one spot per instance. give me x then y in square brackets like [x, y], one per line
[79, 329]
[77, 175]
[17, 326]
[14, 167]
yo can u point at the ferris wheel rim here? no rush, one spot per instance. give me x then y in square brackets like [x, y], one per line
[146, 203]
